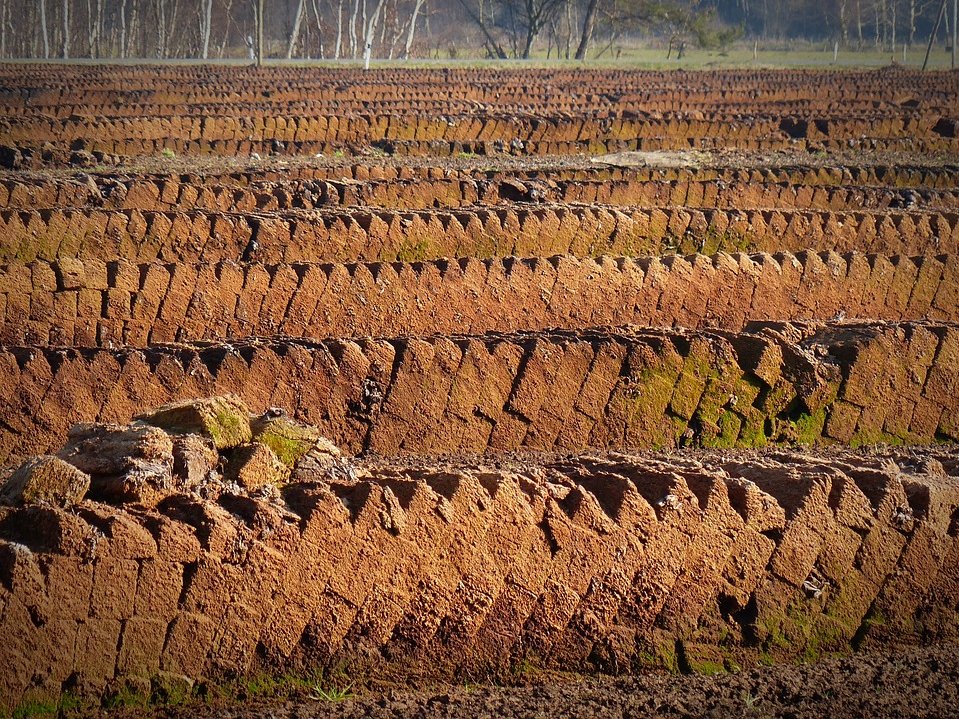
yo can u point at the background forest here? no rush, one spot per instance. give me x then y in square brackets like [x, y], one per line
[390, 29]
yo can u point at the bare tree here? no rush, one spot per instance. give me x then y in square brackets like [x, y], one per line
[412, 29]
[589, 25]
[66, 29]
[353, 40]
[339, 30]
[844, 21]
[43, 28]
[159, 7]
[295, 33]
[536, 15]
[494, 47]
[206, 26]
[259, 32]
[94, 25]
[228, 14]
[319, 26]
[369, 32]
[128, 30]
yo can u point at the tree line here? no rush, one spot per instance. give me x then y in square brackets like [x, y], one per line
[390, 29]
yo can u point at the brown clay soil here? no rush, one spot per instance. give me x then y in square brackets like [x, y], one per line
[613, 358]
[184, 566]
[916, 683]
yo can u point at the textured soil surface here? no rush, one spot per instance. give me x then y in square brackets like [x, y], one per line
[912, 683]
[470, 390]
[186, 563]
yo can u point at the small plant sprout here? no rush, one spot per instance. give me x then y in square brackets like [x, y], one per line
[322, 693]
[751, 700]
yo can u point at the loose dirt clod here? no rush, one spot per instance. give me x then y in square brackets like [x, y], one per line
[255, 465]
[225, 420]
[45, 480]
[290, 440]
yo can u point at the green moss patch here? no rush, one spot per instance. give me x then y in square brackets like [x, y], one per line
[225, 420]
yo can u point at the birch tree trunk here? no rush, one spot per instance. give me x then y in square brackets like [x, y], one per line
[98, 27]
[409, 35]
[843, 22]
[356, 11]
[338, 48]
[66, 29]
[296, 29]
[160, 8]
[91, 38]
[260, 7]
[228, 14]
[879, 38]
[588, 25]
[3, 28]
[174, 8]
[319, 27]
[912, 22]
[369, 33]
[43, 29]
[123, 28]
[132, 30]
[339, 30]
[206, 26]
[859, 23]
[895, 13]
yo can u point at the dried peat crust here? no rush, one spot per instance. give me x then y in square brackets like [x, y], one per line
[204, 544]
[629, 387]
[574, 364]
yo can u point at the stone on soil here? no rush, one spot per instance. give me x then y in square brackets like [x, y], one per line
[291, 440]
[255, 465]
[46, 479]
[225, 420]
[125, 464]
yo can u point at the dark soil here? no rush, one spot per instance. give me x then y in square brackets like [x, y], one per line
[915, 683]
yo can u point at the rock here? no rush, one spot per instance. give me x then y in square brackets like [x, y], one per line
[46, 479]
[125, 464]
[194, 460]
[225, 420]
[255, 465]
[291, 440]
[10, 157]
[82, 158]
[106, 449]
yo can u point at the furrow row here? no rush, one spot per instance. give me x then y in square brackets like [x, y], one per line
[530, 230]
[92, 303]
[472, 571]
[170, 194]
[850, 383]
